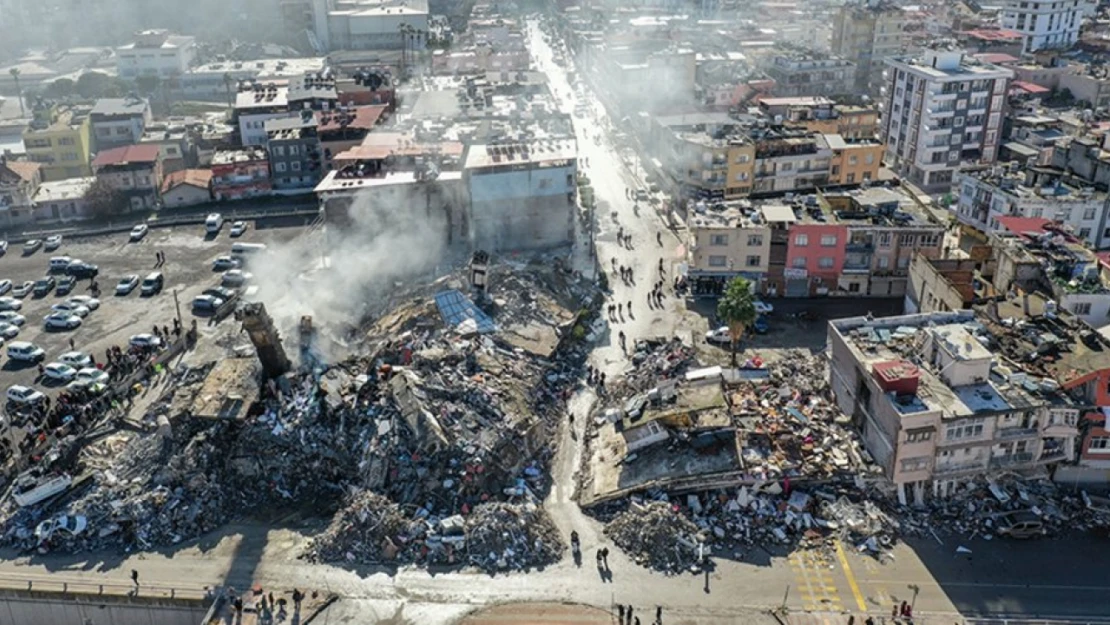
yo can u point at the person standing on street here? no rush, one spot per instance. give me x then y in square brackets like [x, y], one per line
[135, 577]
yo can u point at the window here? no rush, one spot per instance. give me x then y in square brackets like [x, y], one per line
[279, 150]
[754, 261]
[825, 262]
[1084, 233]
[884, 239]
[1088, 214]
[1099, 444]
[964, 430]
[570, 180]
[755, 240]
[741, 176]
[799, 262]
[718, 261]
[742, 158]
[294, 150]
[279, 166]
[786, 167]
[801, 240]
[884, 262]
[853, 160]
[545, 183]
[296, 166]
[66, 141]
[69, 156]
[903, 262]
[905, 239]
[718, 239]
[911, 464]
[919, 436]
[828, 240]
[1082, 308]
[122, 130]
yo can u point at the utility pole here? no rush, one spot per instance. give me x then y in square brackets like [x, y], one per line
[177, 305]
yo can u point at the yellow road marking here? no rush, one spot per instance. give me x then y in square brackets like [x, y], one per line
[851, 578]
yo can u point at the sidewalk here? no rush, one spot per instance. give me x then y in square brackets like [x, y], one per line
[851, 618]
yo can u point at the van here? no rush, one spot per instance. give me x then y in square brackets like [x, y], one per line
[152, 284]
[213, 223]
[60, 263]
[240, 250]
[26, 352]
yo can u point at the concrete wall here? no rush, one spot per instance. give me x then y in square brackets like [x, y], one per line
[50, 608]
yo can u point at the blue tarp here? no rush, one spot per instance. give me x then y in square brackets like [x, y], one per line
[456, 308]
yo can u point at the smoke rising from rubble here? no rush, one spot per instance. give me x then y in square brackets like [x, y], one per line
[384, 243]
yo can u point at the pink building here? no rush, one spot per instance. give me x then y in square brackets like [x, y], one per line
[814, 258]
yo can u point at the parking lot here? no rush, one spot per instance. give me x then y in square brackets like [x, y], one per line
[187, 270]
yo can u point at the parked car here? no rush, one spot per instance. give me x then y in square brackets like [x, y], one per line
[65, 285]
[71, 308]
[235, 278]
[59, 263]
[144, 340]
[238, 228]
[61, 321]
[5, 286]
[23, 289]
[719, 336]
[94, 375]
[152, 284]
[1018, 524]
[223, 263]
[10, 303]
[84, 300]
[127, 284]
[19, 394]
[761, 325]
[763, 308]
[77, 360]
[138, 232]
[44, 286]
[52, 242]
[80, 269]
[74, 525]
[8, 331]
[3, 247]
[25, 352]
[31, 246]
[207, 303]
[12, 317]
[59, 371]
[220, 292]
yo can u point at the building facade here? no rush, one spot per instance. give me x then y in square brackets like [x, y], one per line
[940, 112]
[296, 158]
[866, 33]
[19, 183]
[725, 244]
[1044, 25]
[59, 140]
[133, 170]
[119, 121]
[811, 74]
[240, 173]
[156, 53]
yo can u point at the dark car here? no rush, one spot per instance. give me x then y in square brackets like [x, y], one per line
[82, 270]
[65, 285]
[44, 286]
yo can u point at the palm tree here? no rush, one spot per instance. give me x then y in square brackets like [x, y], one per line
[737, 309]
[18, 90]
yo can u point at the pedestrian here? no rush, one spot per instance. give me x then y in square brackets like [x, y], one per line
[637, 620]
[71, 343]
[659, 615]
[135, 577]
[599, 563]
[621, 337]
[630, 614]
[620, 308]
[620, 611]
[165, 331]
[659, 238]
[629, 308]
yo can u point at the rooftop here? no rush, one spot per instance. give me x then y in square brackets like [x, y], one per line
[128, 154]
[262, 95]
[363, 117]
[262, 68]
[121, 107]
[64, 190]
[336, 182]
[551, 153]
[64, 119]
[239, 155]
[200, 178]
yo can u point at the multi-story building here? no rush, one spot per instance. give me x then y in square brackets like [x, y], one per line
[724, 243]
[939, 112]
[823, 115]
[19, 182]
[936, 406]
[646, 75]
[810, 73]
[345, 128]
[119, 121]
[866, 33]
[220, 79]
[63, 200]
[240, 173]
[156, 53]
[296, 158]
[371, 24]
[522, 195]
[1088, 83]
[1044, 25]
[133, 170]
[58, 139]
[255, 104]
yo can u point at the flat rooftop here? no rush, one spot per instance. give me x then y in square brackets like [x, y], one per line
[551, 153]
[333, 183]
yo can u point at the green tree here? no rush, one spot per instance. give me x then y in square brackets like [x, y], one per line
[148, 84]
[737, 309]
[105, 201]
[18, 89]
[60, 88]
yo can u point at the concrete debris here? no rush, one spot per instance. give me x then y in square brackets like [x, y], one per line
[656, 534]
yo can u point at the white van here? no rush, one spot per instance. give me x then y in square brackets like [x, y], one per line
[239, 250]
[27, 352]
[213, 223]
[59, 263]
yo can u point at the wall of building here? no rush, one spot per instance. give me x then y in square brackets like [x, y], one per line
[40, 608]
[66, 156]
[856, 164]
[111, 133]
[819, 250]
[741, 170]
[717, 249]
[930, 290]
[524, 209]
[185, 195]
[440, 205]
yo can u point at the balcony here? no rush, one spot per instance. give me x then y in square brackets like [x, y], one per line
[1011, 460]
[859, 247]
[963, 467]
[1012, 433]
[1055, 455]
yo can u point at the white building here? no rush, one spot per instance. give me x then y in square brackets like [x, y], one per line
[119, 121]
[210, 81]
[939, 112]
[255, 104]
[1044, 25]
[986, 198]
[370, 24]
[156, 53]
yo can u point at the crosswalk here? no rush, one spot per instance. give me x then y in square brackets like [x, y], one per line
[815, 581]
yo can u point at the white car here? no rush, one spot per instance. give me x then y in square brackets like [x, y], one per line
[52, 242]
[138, 232]
[92, 375]
[61, 321]
[225, 262]
[31, 246]
[763, 308]
[238, 228]
[145, 340]
[5, 286]
[19, 394]
[73, 309]
[10, 303]
[78, 360]
[8, 331]
[3, 247]
[13, 318]
[23, 288]
[235, 278]
[59, 371]
[207, 303]
[720, 335]
[127, 284]
[84, 300]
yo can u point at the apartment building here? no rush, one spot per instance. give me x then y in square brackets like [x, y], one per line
[371, 24]
[58, 139]
[866, 33]
[119, 121]
[255, 104]
[240, 173]
[296, 159]
[935, 404]
[988, 196]
[803, 72]
[1044, 25]
[940, 112]
[156, 53]
[133, 170]
[19, 182]
[823, 115]
[726, 242]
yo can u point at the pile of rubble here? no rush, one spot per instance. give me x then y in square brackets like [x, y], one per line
[658, 535]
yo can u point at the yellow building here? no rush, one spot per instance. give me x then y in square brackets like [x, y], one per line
[741, 169]
[58, 139]
[853, 162]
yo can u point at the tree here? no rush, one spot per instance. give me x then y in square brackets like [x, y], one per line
[737, 309]
[60, 88]
[18, 90]
[105, 201]
[148, 84]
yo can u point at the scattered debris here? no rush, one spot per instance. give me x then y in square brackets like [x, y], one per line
[656, 534]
